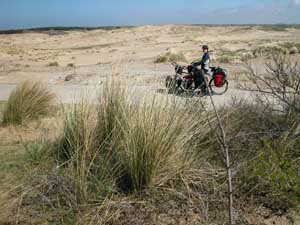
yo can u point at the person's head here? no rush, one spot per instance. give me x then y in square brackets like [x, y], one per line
[205, 48]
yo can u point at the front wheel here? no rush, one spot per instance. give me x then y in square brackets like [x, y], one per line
[218, 90]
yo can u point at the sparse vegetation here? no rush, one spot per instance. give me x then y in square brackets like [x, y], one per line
[226, 56]
[128, 142]
[294, 50]
[29, 100]
[171, 57]
[224, 59]
[128, 159]
[267, 51]
[53, 64]
[283, 48]
[72, 65]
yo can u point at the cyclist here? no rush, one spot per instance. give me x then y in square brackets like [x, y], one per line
[202, 67]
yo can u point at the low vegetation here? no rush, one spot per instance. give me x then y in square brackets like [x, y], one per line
[127, 160]
[71, 65]
[171, 57]
[53, 64]
[29, 100]
[286, 48]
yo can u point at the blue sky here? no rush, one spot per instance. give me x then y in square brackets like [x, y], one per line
[40, 13]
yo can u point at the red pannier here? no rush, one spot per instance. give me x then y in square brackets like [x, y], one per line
[218, 80]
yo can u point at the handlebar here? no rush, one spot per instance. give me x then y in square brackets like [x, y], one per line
[177, 65]
[174, 64]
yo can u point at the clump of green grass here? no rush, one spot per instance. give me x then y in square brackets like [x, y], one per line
[53, 64]
[154, 145]
[36, 151]
[130, 145]
[171, 57]
[76, 147]
[28, 101]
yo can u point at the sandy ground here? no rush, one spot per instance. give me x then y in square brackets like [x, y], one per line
[88, 58]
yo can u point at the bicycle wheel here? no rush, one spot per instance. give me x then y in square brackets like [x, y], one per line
[218, 90]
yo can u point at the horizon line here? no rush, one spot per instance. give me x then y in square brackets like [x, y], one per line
[113, 27]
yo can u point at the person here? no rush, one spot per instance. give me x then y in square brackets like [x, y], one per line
[202, 67]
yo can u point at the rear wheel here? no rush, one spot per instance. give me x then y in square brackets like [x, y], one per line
[218, 90]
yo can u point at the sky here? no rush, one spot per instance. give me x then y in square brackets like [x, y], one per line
[20, 14]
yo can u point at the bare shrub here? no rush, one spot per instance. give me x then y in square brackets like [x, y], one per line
[280, 80]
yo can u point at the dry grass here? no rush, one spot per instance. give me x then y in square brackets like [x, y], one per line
[136, 144]
[53, 64]
[171, 57]
[72, 65]
[29, 100]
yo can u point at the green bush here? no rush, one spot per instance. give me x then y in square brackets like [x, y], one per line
[264, 147]
[275, 174]
[27, 101]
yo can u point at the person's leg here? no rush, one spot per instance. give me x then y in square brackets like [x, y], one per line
[203, 87]
[199, 78]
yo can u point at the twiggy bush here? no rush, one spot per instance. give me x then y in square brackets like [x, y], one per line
[280, 80]
[265, 154]
[29, 100]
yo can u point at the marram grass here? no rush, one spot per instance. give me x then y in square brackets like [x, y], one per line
[29, 100]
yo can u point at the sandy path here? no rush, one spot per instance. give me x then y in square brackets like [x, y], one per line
[73, 93]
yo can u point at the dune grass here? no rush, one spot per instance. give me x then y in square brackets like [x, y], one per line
[134, 156]
[53, 64]
[171, 57]
[132, 145]
[29, 100]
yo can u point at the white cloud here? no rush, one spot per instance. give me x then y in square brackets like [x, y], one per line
[296, 2]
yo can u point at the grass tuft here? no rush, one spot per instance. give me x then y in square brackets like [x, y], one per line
[171, 57]
[129, 145]
[53, 64]
[28, 101]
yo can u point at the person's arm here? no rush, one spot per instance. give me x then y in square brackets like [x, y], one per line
[197, 62]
